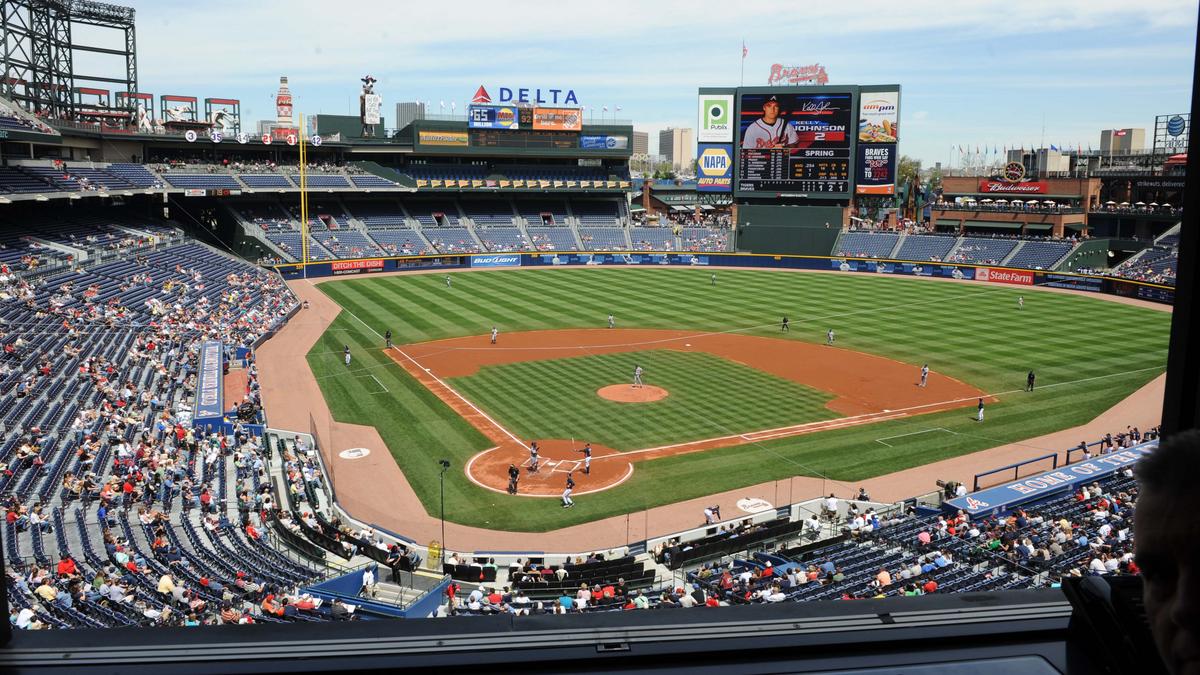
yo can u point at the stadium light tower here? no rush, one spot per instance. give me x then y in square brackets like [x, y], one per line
[442, 485]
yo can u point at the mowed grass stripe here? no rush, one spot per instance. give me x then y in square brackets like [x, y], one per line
[709, 396]
[972, 332]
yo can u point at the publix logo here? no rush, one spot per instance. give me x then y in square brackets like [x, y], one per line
[1175, 125]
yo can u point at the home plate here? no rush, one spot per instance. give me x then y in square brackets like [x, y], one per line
[687, 344]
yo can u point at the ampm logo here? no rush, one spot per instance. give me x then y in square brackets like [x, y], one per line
[1175, 125]
[716, 118]
[879, 106]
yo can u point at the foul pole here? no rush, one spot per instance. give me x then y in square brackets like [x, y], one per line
[303, 197]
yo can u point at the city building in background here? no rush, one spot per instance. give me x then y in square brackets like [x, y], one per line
[408, 112]
[677, 145]
[641, 142]
[1122, 141]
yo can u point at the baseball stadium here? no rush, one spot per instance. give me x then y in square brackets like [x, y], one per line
[442, 387]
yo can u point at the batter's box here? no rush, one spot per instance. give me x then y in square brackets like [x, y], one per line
[566, 466]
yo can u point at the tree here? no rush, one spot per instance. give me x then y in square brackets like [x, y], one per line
[909, 172]
[664, 170]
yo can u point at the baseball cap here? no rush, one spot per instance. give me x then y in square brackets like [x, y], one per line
[772, 98]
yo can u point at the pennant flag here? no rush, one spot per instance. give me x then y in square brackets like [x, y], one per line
[1054, 147]
[744, 50]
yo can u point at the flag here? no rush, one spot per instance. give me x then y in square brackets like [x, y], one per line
[604, 108]
[744, 50]
[1054, 147]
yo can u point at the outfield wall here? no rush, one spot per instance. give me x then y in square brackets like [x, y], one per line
[988, 274]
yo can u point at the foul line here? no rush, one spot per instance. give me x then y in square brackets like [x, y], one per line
[381, 385]
[440, 381]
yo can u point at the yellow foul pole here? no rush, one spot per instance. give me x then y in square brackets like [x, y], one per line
[303, 197]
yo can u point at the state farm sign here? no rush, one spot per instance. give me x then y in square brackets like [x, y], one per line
[995, 186]
[996, 276]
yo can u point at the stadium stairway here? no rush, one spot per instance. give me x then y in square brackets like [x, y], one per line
[1011, 254]
[899, 242]
[958, 242]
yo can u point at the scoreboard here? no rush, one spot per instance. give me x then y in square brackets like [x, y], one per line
[796, 144]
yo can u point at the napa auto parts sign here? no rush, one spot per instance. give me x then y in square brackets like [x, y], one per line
[1001, 276]
[996, 186]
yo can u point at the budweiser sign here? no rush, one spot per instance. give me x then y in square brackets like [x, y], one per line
[814, 74]
[1031, 187]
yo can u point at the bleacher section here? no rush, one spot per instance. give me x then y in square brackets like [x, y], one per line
[348, 244]
[434, 214]
[484, 212]
[552, 238]
[603, 238]
[206, 181]
[371, 181]
[701, 239]
[543, 213]
[451, 239]
[268, 180]
[1040, 255]
[595, 214]
[925, 247]
[652, 239]
[378, 216]
[400, 242]
[137, 174]
[503, 239]
[867, 244]
[981, 250]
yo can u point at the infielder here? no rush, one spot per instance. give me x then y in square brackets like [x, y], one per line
[587, 459]
[637, 374]
[924, 374]
[784, 325]
[566, 495]
[346, 353]
[829, 337]
[612, 322]
[387, 338]
[494, 334]
[979, 414]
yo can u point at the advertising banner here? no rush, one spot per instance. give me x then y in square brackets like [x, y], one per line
[716, 118]
[210, 382]
[998, 276]
[876, 169]
[914, 269]
[457, 139]
[879, 117]
[558, 119]
[372, 104]
[604, 142]
[714, 168]
[501, 260]
[1057, 480]
[340, 267]
[493, 117]
[1001, 187]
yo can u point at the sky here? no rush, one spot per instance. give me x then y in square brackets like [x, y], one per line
[985, 74]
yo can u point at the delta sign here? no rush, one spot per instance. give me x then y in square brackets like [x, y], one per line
[527, 95]
[714, 168]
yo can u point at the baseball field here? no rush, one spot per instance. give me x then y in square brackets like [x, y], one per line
[744, 402]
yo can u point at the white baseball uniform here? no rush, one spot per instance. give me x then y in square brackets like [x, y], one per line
[762, 135]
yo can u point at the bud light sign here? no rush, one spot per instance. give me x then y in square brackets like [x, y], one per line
[714, 168]
[503, 260]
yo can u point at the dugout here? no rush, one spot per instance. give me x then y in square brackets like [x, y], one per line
[788, 229]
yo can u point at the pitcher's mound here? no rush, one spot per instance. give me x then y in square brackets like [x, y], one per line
[624, 393]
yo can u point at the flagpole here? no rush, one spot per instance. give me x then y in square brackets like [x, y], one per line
[742, 77]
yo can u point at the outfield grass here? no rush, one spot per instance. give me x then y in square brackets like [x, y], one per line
[709, 396]
[1088, 355]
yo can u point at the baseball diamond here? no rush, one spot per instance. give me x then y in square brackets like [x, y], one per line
[453, 393]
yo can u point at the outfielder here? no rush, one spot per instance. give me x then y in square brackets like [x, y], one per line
[1020, 302]
[494, 334]
[346, 353]
[784, 325]
[612, 322]
[712, 278]
[566, 495]
[1029, 379]
[924, 374]
[637, 374]
[979, 414]
[448, 282]
[829, 337]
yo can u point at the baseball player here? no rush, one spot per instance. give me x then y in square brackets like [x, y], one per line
[712, 278]
[1020, 302]
[494, 334]
[587, 459]
[387, 338]
[783, 326]
[637, 375]
[979, 413]
[924, 374]
[514, 476]
[1029, 381]
[612, 322]
[566, 495]
[346, 353]
[770, 131]
[829, 337]
[533, 456]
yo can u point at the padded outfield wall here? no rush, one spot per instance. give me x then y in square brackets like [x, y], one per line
[802, 230]
[984, 274]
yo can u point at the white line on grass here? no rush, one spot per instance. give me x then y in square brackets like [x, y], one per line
[440, 381]
[384, 389]
[913, 433]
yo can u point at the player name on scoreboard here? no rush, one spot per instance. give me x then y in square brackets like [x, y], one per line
[803, 169]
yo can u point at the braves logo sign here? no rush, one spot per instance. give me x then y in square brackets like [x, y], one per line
[973, 503]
